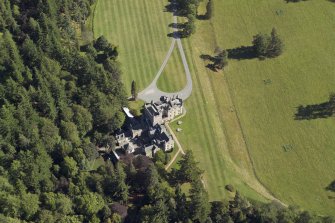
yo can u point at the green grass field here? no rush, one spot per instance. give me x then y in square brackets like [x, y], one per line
[140, 30]
[173, 77]
[303, 75]
[232, 114]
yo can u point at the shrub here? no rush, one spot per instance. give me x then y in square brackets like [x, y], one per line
[230, 188]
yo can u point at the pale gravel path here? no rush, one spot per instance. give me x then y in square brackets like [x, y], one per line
[180, 148]
[152, 93]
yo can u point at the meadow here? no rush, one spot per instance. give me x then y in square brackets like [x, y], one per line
[241, 120]
[295, 159]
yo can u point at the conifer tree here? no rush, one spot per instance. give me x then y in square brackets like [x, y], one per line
[276, 46]
[199, 203]
[153, 184]
[181, 205]
[261, 44]
[120, 186]
[268, 46]
[189, 170]
[154, 213]
[134, 90]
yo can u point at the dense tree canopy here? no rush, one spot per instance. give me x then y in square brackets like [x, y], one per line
[50, 92]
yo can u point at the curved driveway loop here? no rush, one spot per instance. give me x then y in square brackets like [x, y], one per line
[152, 93]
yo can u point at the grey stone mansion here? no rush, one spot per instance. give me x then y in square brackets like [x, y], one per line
[147, 134]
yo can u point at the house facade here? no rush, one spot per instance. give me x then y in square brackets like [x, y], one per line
[147, 134]
[164, 110]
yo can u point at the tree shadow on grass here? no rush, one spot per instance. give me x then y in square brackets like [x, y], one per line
[212, 67]
[174, 8]
[171, 6]
[177, 34]
[202, 17]
[331, 186]
[242, 53]
[211, 60]
[177, 25]
[207, 57]
[296, 1]
[316, 111]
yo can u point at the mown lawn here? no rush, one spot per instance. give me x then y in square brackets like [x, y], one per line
[173, 77]
[140, 30]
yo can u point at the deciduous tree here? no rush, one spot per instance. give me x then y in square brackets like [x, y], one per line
[101, 44]
[69, 132]
[69, 167]
[89, 204]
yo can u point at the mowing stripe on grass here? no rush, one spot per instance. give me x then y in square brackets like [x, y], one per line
[173, 78]
[152, 33]
[137, 43]
[140, 34]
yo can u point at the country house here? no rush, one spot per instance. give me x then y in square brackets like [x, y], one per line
[147, 134]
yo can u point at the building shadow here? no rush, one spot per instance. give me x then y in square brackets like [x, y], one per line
[242, 53]
[316, 111]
